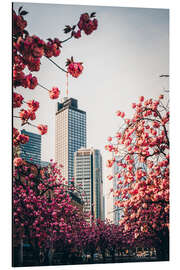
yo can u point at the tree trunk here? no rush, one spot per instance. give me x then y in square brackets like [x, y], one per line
[113, 255]
[92, 257]
[162, 249]
[103, 255]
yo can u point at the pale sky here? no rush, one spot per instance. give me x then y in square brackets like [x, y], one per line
[122, 60]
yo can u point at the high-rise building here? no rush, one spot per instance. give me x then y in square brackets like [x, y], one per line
[70, 134]
[31, 151]
[88, 175]
[44, 163]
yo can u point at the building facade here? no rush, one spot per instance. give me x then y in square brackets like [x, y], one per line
[70, 134]
[88, 175]
[31, 151]
[44, 163]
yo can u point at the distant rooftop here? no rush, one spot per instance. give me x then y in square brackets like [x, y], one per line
[70, 103]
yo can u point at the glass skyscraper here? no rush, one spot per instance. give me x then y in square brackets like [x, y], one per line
[88, 175]
[31, 151]
[70, 134]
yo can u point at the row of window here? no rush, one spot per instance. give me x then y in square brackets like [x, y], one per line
[77, 115]
[82, 169]
[81, 161]
[82, 172]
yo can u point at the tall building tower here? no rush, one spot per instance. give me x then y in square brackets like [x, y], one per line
[31, 151]
[88, 174]
[70, 134]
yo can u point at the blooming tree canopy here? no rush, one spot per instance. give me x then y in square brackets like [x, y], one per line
[44, 214]
[140, 150]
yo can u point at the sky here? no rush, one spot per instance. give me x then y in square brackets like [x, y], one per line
[122, 60]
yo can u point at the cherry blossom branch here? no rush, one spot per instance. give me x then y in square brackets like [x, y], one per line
[156, 111]
[25, 122]
[31, 124]
[66, 39]
[56, 64]
[43, 87]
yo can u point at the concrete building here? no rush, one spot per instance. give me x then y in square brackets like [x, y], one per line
[31, 151]
[88, 175]
[70, 134]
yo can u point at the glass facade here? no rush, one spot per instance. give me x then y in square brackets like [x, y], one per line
[44, 163]
[31, 151]
[98, 181]
[70, 134]
[76, 136]
[88, 174]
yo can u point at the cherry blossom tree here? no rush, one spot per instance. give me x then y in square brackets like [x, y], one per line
[102, 237]
[43, 212]
[110, 238]
[140, 149]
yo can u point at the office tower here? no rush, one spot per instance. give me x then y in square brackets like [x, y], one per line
[70, 134]
[44, 163]
[31, 151]
[88, 175]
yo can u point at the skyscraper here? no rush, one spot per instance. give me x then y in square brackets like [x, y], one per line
[70, 134]
[31, 151]
[88, 174]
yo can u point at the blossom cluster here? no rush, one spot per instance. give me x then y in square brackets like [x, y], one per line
[19, 138]
[42, 129]
[75, 69]
[25, 115]
[17, 100]
[26, 81]
[87, 24]
[52, 48]
[19, 24]
[54, 93]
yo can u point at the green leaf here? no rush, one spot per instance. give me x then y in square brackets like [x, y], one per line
[93, 14]
[67, 29]
[74, 26]
[23, 13]
[49, 39]
[19, 10]
[68, 62]
[26, 33]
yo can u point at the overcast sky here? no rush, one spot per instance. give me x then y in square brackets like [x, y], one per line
[122, 60]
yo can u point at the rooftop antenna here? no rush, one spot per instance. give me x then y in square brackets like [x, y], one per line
[67, 84]
[164, 76]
